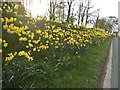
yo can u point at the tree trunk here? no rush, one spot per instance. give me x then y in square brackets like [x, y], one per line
[83, 15]
[79, 12]
[69, 10]
[87, 14]
[97, 20]
[54, 10]
[68, 16]
[50, 14]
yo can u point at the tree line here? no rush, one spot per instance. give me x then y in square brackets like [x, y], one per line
[78, 12]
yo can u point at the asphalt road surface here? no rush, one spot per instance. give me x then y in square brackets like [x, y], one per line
[115, 78]
[119, 62]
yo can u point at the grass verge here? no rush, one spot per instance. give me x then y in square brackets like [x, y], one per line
[86, 70]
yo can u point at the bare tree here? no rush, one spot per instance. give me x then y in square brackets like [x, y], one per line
[84, 8]
[97, 18]
[63, 9]
[79, 11]
[53, 4]
[69, 2]
[88, 7]
[50, 11]
[60, 10]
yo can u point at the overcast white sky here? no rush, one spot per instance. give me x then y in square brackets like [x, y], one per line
[107, 7]
[39, 7]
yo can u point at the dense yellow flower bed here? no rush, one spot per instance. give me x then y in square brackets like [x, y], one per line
[38, 40]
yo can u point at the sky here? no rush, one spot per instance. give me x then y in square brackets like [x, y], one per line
[107, 7]
[39, 7]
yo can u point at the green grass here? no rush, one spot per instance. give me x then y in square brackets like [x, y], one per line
[86, 71]
[83, 73]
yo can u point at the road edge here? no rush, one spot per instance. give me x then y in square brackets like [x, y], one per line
[107, 79]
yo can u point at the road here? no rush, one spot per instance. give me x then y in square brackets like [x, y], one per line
[114, 75]
[119, 62]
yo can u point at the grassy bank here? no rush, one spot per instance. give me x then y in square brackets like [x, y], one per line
[37, 53]
[86, 68]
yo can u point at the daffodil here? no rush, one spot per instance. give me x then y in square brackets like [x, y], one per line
[9, 8]
[26, 27]
[11, 19]
[15, 19]
[8, 30]
[5, 4]
[6, 19]
[10, 56]
[56, 47]
[2, 19]
[0, 50]
[5, 27]
[22, 39]
[3, 7]
[23, 53]
[30, 45]
[5, 44]
[20, 22]
[38, 31]
[34, 49]
[0, 9]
